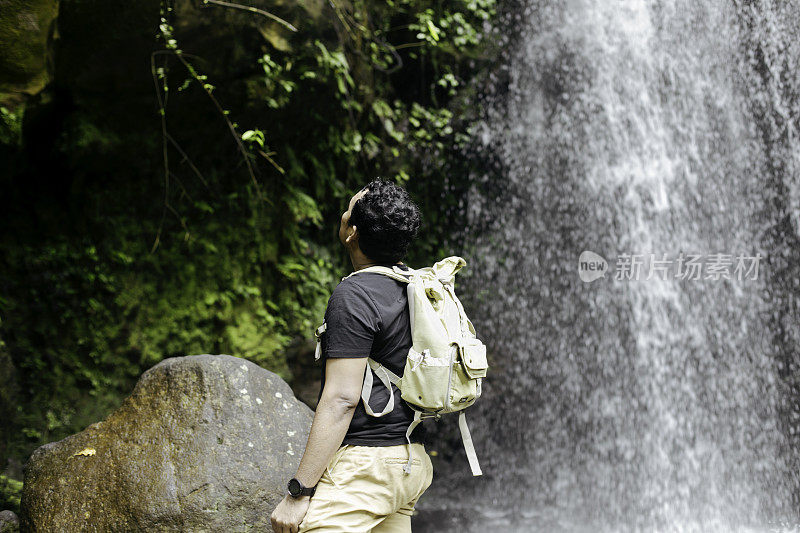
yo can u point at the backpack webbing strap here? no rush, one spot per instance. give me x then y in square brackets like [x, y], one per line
[387, 377]
[469, 447]
[411, 427]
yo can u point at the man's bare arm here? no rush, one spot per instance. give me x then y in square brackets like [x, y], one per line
[344, 377]
[340, 396]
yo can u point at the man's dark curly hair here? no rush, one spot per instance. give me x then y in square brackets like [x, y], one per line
[387, 220]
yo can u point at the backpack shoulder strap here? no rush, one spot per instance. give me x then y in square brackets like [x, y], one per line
[394, 273]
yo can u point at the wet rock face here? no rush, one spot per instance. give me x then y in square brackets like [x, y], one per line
[98, 51]
[26, 31]
[204, 443]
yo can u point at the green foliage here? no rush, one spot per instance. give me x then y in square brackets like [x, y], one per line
[10, 493]
[217, 233]
[10, 126]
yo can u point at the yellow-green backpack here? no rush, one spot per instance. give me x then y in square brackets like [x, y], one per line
[446, 363]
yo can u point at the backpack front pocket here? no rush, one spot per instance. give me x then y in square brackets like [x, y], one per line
[473, 357]
[468, 371]
[425, 379]
[463, 390]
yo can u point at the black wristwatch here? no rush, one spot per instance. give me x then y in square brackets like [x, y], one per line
[297, 489]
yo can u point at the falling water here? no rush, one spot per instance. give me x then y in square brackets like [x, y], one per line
[633, 127]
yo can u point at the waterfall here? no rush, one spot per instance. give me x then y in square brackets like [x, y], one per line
[632, 127]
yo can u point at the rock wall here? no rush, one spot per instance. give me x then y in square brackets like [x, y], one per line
[27, 29]
[101, 49]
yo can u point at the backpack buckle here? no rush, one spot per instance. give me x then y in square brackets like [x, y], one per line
[318, 334]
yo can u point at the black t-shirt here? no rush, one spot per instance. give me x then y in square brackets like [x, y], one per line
[367, 316]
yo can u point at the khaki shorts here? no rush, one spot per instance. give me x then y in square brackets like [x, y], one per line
[364, 489]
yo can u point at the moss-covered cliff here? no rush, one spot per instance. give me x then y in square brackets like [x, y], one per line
[172, 175]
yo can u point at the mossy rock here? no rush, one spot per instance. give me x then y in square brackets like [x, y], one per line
[9, 523]
[27, 28]
[204, 443]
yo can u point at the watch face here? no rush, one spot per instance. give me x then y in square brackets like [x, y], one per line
[295, 487]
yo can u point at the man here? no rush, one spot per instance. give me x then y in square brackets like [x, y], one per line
[351, 477]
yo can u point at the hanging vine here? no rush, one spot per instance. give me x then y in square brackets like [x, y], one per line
[251, 165]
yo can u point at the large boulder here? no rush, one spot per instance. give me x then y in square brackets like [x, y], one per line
[204, 443]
